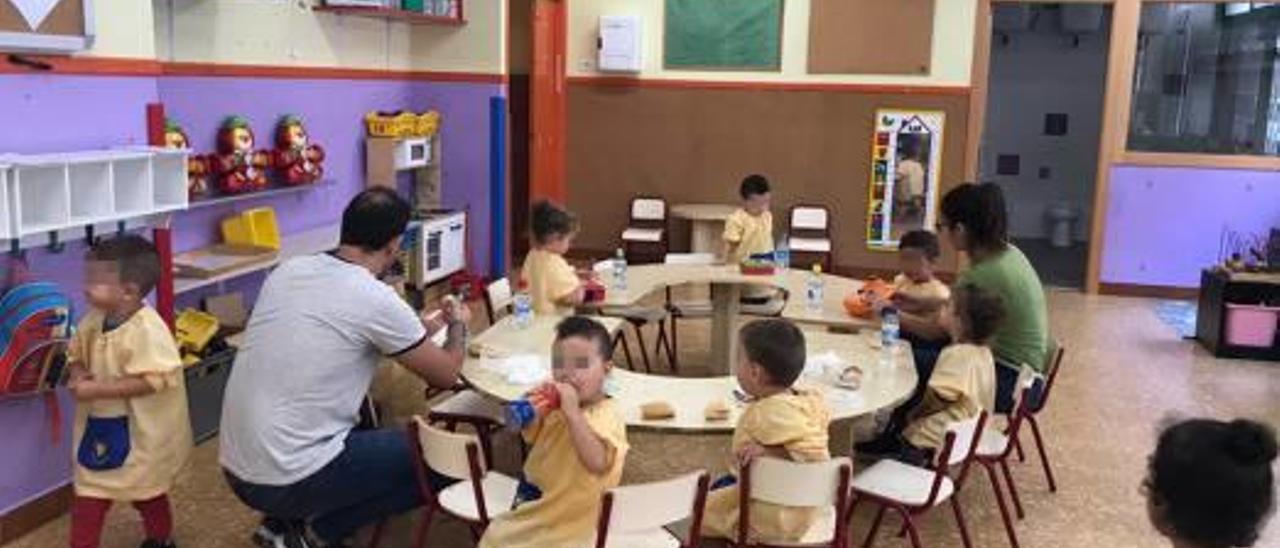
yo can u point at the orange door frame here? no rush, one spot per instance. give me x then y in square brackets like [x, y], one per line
[548, 105]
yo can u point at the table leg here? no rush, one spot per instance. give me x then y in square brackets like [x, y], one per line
[724, 319]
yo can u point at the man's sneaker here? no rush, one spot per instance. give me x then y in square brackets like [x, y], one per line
[271, 533]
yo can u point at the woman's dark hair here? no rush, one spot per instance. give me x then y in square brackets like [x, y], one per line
[777, 345]
[753, 185]
[374, 218]
[980, 208]
[551, 220]
[589, 329]
[982, 312]
[923, 240]
[1212, 480]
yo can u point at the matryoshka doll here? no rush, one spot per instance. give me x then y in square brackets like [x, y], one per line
[238, 165]
[296, 158]
[197, 164]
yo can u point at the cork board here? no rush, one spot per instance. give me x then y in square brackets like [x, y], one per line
[65, 28]
[695, 145]
[871, 37]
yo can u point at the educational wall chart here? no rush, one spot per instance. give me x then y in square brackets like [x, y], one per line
[906, 164]
[723, 34]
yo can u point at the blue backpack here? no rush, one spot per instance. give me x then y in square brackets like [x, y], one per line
[35, 326]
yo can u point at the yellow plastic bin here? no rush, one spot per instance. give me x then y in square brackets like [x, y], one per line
[194, 329]
[255, 227]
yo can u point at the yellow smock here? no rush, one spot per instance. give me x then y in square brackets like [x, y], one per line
[159, 430]
[933, 289]
[550, 279]
[795, 420]
[753, 234]
[962, 385]
[568, 511]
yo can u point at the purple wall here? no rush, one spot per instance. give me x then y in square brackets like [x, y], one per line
[1164, 224]
[62, 113]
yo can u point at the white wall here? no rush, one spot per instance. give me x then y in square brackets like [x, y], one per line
[952, 57]
[123, 30]
[1037, 73]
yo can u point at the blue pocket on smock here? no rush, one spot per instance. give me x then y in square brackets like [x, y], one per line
[105, 444]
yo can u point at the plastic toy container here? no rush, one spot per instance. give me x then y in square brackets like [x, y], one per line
[256, 227]
[194, 329]
[1251, 325]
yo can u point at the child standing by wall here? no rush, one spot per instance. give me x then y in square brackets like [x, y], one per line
[132, 434]
[781, 421]
[554, 286]
[963, 383]
[576, 452]
[749, 230]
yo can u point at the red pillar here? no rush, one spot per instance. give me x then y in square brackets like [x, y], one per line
[161, 236]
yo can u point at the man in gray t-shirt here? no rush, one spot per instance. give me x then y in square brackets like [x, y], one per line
[320, 328]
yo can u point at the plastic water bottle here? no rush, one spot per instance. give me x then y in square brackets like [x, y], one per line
[522, 305]
[814, 290]
[889, 328]
[782, 255]
[620, 270]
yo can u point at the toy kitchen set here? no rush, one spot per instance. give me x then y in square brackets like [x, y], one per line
[408, 143]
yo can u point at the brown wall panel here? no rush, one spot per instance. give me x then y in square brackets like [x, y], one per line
[695, 145]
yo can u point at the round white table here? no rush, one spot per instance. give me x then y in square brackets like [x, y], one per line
[706, 225]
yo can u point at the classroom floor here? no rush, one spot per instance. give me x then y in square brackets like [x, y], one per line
[1125, 372]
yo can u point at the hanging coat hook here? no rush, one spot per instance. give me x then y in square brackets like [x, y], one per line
[55, 246]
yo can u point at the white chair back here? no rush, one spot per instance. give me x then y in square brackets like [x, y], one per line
[789, 483]
[966, 433]
[446, 452]
[499, 294]
[648, 506]
[699, 259]
[809, 218]
[648, 209]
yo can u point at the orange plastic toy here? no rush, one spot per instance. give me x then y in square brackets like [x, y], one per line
[858, 303]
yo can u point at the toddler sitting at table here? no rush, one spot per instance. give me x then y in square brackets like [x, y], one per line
[576, 452]
[916, 290]
[554, 287]
[781, 421]
[963, 383]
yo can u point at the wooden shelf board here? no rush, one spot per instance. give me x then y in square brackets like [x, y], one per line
[391, 15]
[269, 193]
[307, 242]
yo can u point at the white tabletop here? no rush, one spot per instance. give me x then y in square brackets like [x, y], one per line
[885, 382]
[703, 212]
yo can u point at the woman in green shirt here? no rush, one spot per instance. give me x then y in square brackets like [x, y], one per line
[975, 221]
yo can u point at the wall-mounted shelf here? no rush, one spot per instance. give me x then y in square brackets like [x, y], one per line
[269, 193]
[48, 192]
[308, 242]
[391, 14]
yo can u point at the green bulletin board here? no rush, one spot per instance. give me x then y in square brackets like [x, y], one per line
[723, 34]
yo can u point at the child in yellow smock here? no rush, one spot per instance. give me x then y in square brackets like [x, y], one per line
[781, 421]
[576, 452]
[553, 285]
[916, 290]
[963, 383]
[132, 434]
[749, 230]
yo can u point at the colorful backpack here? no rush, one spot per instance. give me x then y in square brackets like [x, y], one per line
[35, 325]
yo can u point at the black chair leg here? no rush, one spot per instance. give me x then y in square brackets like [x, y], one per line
[626, 348]
[644, 352]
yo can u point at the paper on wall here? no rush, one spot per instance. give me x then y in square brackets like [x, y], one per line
[34, 11]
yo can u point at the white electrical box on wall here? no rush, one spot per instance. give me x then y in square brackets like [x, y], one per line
[620, 43]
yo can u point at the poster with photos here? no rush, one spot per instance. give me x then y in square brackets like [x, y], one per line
[906, 165]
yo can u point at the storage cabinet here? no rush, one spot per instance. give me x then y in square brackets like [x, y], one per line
[1217, 290]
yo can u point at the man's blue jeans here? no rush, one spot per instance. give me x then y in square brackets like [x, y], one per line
[371, 479]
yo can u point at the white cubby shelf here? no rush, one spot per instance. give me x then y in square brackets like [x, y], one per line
[42, 193]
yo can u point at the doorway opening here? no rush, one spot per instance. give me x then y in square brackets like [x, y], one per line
[1045, 94]
[519, 131]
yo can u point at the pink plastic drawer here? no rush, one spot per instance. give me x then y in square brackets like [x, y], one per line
[1249, 325]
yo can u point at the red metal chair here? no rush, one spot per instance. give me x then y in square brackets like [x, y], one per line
[912, 490]
[823, 484]
[645, 238]
[809, 233]
[1055, 365]
[639, 515]
[995, 449]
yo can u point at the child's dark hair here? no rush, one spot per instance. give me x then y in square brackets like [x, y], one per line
[980, 310]
[550, 220]
[753, 185]
[137, 260]
[777, 346]
[1212, 480]
[923, 240]
[980, 208]
[587, 328]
